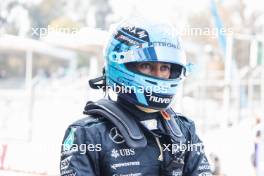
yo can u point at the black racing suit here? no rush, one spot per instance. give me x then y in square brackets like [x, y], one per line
[95, 147]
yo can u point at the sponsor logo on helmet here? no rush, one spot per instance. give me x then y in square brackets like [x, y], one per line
[159, 99]
[164, 44]
[140, 33]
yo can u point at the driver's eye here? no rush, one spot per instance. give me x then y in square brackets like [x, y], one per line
[145, 66]
[164, 68]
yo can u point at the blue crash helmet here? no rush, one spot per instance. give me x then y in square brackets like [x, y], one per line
[140, 40]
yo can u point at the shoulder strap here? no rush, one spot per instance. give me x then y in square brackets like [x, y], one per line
[172, 126]
[126, 124]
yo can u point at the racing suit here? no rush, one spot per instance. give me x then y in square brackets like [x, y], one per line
[93, 146]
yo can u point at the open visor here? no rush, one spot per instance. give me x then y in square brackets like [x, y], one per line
[176, 71]
[155, 53]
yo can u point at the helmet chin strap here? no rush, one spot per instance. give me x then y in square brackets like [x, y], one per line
[147, 110]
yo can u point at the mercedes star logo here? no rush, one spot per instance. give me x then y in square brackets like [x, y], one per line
[115, 136]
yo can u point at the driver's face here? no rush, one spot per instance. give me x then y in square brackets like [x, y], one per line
[160, 70]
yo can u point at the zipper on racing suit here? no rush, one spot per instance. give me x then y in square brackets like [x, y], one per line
[160, 158]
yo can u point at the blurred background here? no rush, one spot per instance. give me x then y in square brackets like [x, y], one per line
[49, 49]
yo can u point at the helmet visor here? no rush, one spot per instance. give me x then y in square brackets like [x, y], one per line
[176, 71]
[154, 54]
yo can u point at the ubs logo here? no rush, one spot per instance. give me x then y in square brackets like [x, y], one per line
[122, 152]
